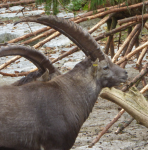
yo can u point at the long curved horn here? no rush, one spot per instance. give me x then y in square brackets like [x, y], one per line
[36, 57]
[73, 31]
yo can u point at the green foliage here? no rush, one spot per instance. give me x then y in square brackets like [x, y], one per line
[51, 6]
[65, 2]
[95, 3]
[77, 5]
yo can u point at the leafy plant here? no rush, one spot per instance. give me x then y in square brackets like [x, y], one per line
[77, 4]
[52, 6]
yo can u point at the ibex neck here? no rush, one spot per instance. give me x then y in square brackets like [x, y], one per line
[83, 88]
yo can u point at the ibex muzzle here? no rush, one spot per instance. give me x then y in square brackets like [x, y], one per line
[50, 114]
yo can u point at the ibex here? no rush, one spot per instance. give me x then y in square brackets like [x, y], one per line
[49, 114]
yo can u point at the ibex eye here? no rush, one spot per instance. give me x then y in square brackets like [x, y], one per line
[105, 68]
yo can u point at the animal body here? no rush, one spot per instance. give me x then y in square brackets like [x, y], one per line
[49, 114]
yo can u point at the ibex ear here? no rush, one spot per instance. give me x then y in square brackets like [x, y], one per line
[44, 77]
[95, 67]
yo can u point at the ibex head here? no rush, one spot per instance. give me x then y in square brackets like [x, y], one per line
[108, 73]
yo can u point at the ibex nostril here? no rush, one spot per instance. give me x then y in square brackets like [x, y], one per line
[126, 72]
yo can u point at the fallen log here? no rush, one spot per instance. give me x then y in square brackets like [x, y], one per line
[29, 35]
[128, 56]
[45, 34]
[118, 29]
[135, 18]
[130, 46]
[132, 102]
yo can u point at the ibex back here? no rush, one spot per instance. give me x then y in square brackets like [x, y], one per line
[50, 114]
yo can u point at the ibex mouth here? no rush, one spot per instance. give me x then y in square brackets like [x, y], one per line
[123, 80]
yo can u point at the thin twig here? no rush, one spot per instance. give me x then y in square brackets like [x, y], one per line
[26, 22]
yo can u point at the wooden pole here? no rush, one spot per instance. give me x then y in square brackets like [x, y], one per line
[126, 42]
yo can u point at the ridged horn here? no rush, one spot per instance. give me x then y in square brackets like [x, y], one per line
[73, 31]
[36, 57]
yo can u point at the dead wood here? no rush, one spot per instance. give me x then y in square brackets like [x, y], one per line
[45, 34]
[14, 75]
[144, 51]
[101, 10]
[133, 102]
[106, 49]
[110, 43]
[5, 1]
[73, 50]
[35, 46]
[23, 2]
[105, 129]
[146, 25]
[121, 28]
[113, 26]
[127, 123]
[128, 56]
[119, 40]
[143, 72]
[47, 39]
[144, 89]
[112, 53]
[9, 62]
[130, 46]
[101, 22]
[99, 15]
[126, 42]
[29, 35]
[124, 50]
[123, 126]
[114, 10]
[137, 18]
